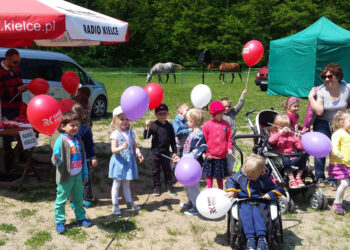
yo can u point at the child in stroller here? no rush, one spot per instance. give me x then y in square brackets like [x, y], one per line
[285, 141]
[311, 191]
[254, 185]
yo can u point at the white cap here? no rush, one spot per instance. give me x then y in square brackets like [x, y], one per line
[117, 111]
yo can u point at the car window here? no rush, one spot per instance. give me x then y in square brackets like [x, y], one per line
[67, 66]
[39, 68]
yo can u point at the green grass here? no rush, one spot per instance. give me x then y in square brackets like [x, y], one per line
[8, 228]
[38, 239]
[26, 212]
[121, 228]
[175, 94]
[2, 243]
[76, 233]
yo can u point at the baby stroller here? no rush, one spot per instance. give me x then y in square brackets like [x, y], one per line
[273, 218]
[311, 191]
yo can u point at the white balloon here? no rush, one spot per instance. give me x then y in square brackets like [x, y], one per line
[200, 96]
[213, 203]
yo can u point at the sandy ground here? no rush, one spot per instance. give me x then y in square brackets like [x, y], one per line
[160, 224]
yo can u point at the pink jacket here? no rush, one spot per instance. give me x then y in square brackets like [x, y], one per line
[218, 136]
[285, 143]
[294, 121]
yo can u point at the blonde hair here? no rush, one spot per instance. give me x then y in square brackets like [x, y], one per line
[116, 121]
[197, 116]
[181, 107]
[254, 165]
[289, 102]
[79, 110]
[339, 118]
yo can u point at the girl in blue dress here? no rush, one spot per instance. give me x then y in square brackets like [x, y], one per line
[122, 165]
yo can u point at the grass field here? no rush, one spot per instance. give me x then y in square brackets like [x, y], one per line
[116, 81]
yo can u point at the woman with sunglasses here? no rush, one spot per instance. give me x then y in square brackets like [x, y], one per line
[326, 100]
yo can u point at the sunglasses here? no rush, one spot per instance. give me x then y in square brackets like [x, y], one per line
[324, 77]
[15, 62]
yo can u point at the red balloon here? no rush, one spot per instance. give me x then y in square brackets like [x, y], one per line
[65, 104]
[155, 94]
[44, 114]
[39, 86]
[252, 52]
[70, 81]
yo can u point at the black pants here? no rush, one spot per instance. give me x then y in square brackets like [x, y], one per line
[87, 187]
[10, 114]
[160, 162]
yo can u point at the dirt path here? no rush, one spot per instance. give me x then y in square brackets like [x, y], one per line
[159, 225]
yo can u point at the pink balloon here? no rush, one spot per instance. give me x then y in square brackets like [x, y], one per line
[44, 114]
[252, 52]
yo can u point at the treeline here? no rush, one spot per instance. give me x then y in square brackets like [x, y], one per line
[177, 30]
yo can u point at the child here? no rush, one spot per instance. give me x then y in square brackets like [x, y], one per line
[230, 116]
[252, 181]
[218, 136]
[69, 158]
[285, 141]
[163, 136]
[339, 165]
[122, 166]
[181, 128]
[82, 98]
[86, 136]
[194, 147]
[292, 106]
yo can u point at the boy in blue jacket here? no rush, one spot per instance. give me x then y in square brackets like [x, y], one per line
[69, 159]
[252, 181]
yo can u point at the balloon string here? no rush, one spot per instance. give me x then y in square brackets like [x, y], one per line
[246, 82]
[296, 133]
[149, 118]
[167, 157]
[15, 96]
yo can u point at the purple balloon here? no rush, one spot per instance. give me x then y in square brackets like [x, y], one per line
[134, 102]
[188, 171]
[316, 144]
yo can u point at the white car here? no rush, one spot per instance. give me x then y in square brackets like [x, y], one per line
[50, 66]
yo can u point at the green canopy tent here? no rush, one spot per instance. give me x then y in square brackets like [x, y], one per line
[295, 62]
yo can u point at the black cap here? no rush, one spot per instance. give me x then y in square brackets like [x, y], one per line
[162, 107]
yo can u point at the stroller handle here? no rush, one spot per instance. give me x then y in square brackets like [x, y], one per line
[252, 136]
[246, 116]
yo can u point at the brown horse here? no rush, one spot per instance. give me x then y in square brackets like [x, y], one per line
[226, 67]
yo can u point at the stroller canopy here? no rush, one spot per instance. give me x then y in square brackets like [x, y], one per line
[295, 62]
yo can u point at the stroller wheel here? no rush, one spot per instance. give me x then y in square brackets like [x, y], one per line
[316, 201]
[291, 206]
[283, 204]
[325, 202]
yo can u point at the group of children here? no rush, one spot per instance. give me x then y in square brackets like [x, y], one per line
[189, 136]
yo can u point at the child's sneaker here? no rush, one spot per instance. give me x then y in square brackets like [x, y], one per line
[60, 228]
[133, 206]
[251, 244]
[156, 192]
[262, 244]
[300, 182]
[338, 208]
[87, 204]
[187, 205]
[293, 183]
[84, 223]
[115, 210]
[171, 191]
[193, 211]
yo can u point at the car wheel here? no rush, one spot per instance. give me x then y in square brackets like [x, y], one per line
[263, 87]
[99, 107]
